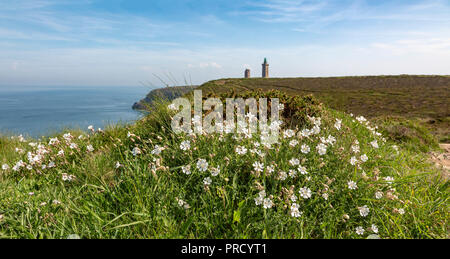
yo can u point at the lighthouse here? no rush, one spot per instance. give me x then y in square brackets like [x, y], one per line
[265, 69]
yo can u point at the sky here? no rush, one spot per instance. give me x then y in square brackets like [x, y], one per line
[174, 42]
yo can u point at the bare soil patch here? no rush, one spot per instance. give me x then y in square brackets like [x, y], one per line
[442, 160]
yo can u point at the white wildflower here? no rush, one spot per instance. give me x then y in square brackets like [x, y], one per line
[355, 148]
[315, 121]
[18, 165]
[136, 151]
[118, 165]
[215, 171]
[288, 133]
[360, 231]
[293, 143]
[67, 177]
[302, 170]
[338, 123]
[21, 138]
[241, 150]
[353, 160]
[321, 149]
[53, 141]
[378, 195]
[68, 137]
[293, 198]
[182, 203]
[374, 228]
[259, 200]
[185, 145]
[270, 169]
[294, 162]
[282, 175]
[364, 210]
[207, 181]
[267, 203]
[186, 169]
[352, 185]
[202, 165]
[331, 140]
[305, 149]
[295, 212]
[157, 150]
[361, 119]
[315, 130]
[306, 133]
[90, 148]
[292, 173]
[305, 193]
[374, 144]
[259, 167]
[364, 158]
[389, 179]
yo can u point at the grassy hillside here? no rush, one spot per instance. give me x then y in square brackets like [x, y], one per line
[422, 98]
[331, 176]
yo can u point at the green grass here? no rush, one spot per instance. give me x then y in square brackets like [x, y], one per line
[422, 99]
[140, 198]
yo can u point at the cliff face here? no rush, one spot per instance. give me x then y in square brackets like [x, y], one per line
[168, 93]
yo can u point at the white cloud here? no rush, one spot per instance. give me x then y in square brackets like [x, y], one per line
[434, 46]
[205, 65]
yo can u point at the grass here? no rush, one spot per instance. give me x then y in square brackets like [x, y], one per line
[146, 195]
[423, 99]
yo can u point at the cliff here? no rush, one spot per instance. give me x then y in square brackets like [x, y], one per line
[167, 93]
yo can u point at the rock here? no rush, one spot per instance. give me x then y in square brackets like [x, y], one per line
[73, 236]
[373, 236]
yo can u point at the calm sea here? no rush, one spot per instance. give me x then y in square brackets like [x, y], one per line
[37, 111]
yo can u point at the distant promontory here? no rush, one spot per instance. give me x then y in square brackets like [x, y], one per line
[167, 93]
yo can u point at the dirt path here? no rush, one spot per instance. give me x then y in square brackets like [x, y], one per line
[442, 160]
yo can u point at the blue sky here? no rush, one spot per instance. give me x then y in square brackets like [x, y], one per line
[127, 43]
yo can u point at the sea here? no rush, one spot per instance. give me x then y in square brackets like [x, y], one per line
[43, 111]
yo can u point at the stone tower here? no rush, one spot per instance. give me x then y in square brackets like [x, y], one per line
[247, 73]
[265, 69]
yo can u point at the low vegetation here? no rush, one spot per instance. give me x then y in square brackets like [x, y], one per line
[421, 99]
[332, 175]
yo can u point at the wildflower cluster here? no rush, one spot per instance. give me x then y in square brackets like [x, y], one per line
[317, 165]
[51, 155]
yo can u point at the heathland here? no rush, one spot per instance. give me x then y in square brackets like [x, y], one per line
[333, 174]
[422, 99]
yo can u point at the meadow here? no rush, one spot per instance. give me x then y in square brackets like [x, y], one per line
[421, 100]
[332, 175]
